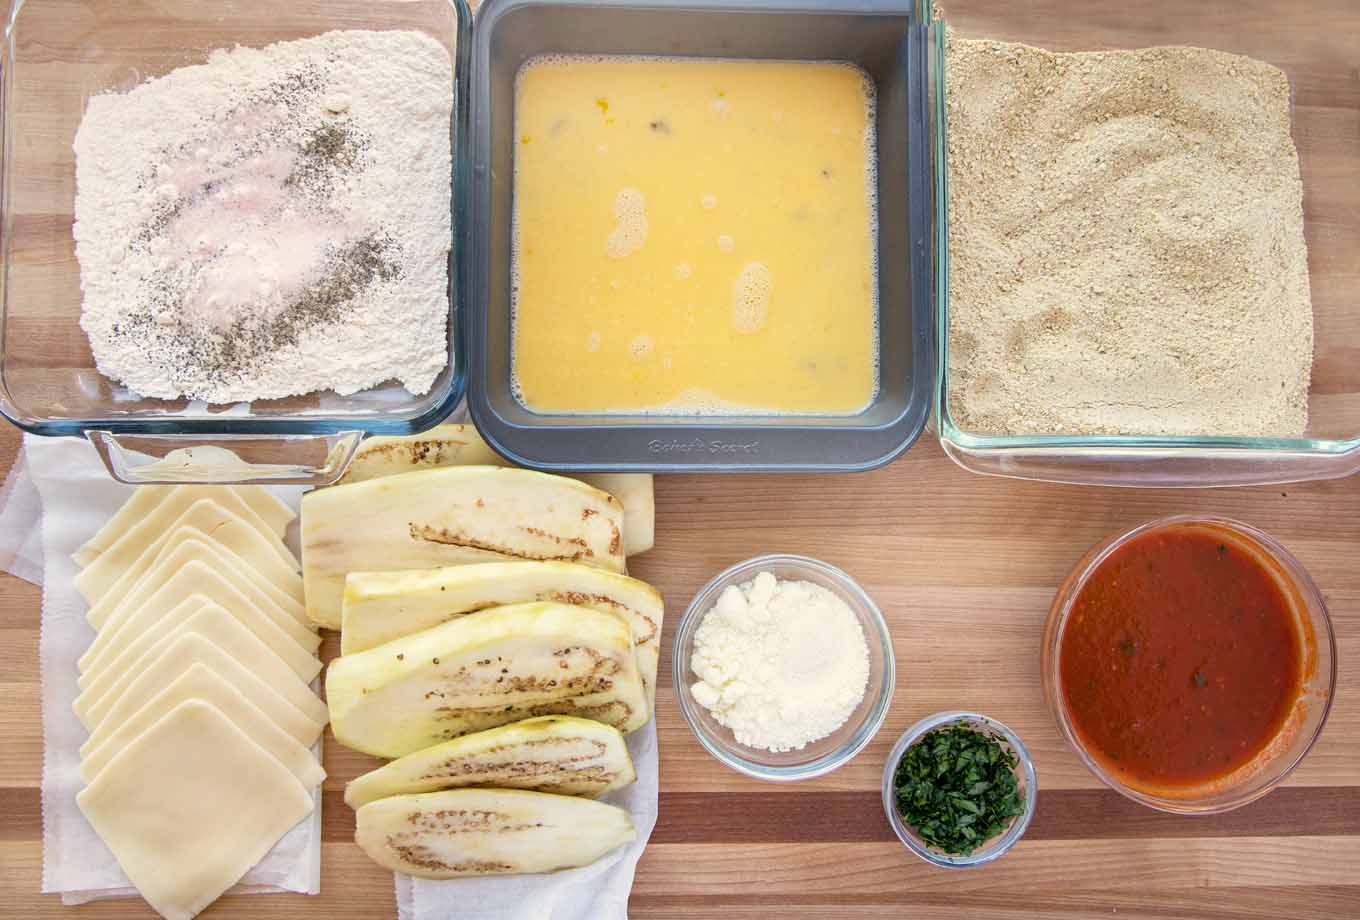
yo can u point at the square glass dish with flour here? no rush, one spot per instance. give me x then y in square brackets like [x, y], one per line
[249, 212]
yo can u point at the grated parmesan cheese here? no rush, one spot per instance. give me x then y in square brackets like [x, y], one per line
[780, 663]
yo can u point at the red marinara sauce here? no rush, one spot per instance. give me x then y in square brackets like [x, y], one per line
[1182, 658]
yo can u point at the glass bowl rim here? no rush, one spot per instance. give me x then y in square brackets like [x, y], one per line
[1024, 766]
[1325, 639]
[868, 726]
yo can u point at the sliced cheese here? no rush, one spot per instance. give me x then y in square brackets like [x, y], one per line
[228, 564]
[291, 705]
[213, 623]
[166, 503]
[108, 578]
[200, 682]
[144, 500]
[267, 506]
[189, 806]
[195, 578]
[137, 636]
[190, 571]
[224, 557]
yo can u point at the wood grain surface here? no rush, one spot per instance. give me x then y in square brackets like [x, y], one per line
[963, 567]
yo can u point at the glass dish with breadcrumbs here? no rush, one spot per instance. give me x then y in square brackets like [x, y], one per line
[1146, 227]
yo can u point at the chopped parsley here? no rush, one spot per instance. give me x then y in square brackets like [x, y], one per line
[956, 788]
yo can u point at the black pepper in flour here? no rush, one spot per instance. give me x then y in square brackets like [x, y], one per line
[327, 152]
[330, 150]
[291, 92]
[286, 234]
[348, 273]
[233, 353]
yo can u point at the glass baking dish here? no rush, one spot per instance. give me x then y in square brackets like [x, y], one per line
[887, 38]
[58, 54]
[1318, 52]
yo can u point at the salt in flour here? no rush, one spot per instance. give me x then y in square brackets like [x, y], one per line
[271, 223]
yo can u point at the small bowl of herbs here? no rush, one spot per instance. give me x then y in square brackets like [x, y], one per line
[959, 789]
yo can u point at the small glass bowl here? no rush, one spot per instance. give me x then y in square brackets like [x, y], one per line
[1024, 769]
[821, 756]
[1282, 754]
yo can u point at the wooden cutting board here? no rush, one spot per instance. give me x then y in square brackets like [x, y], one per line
[964, 568]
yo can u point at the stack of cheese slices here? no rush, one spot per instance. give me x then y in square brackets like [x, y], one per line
[503, 680]
[196, 690]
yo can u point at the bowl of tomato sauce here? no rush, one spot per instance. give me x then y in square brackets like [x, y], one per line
[1190, 663]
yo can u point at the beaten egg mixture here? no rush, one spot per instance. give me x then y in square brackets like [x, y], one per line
[694, 236]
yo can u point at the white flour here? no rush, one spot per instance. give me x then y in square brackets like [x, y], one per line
[781, 663]
[271, 223]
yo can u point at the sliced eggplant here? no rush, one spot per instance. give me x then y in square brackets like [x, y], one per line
[461, 445]
[443, 445]
[451, 516]
[382, 606]
[464, 832]
[483, 670]
[634, 491]
[560, 754]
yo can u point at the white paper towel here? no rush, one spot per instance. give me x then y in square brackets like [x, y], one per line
[76, 496]
[595, 892]
[20, 524]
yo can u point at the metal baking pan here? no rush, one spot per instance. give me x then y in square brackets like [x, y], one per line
[888, 39]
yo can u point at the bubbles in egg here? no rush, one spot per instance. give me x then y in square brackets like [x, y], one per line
[630, 232]
[751, 297]
[640, 347]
